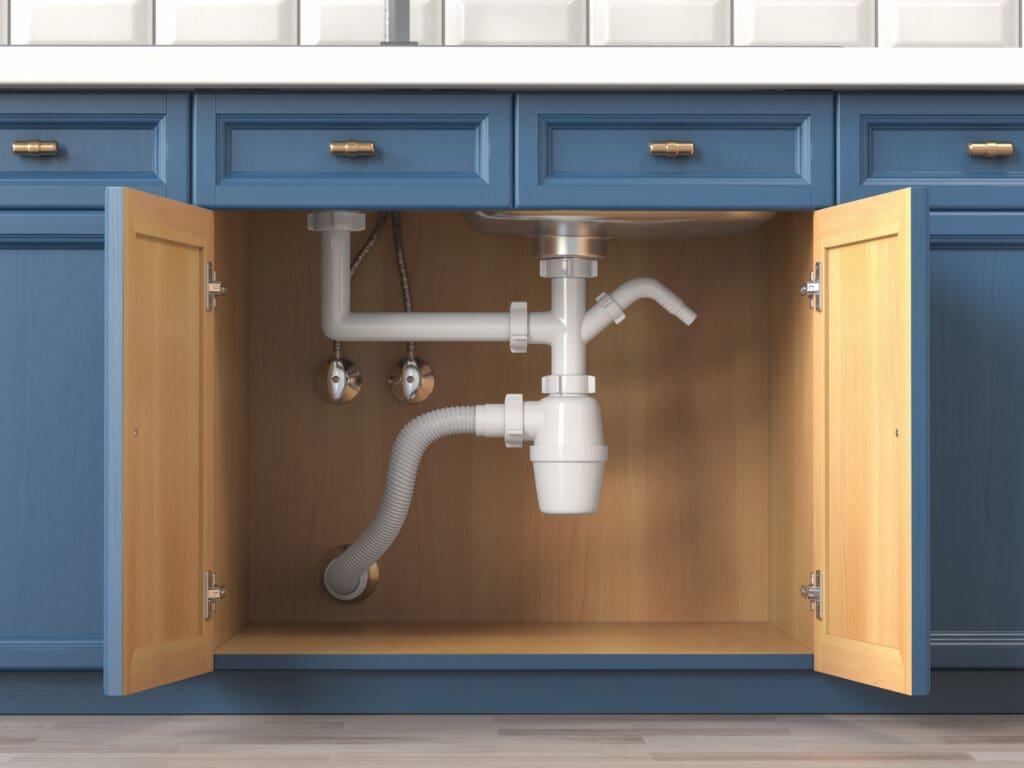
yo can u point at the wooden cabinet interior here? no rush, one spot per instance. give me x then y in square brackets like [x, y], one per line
[703, 536]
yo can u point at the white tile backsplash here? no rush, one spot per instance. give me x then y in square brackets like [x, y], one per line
[949, 22]
[361, 22]
[81, 22]
[908, 23]
[660, 22]
[227, 22]
[515, 22]
[804, 22]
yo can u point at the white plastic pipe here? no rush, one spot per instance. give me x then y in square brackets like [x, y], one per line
[340, 323]
[347, 576]
[598, 318]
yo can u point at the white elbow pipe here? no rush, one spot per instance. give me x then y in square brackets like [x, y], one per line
[605, 313]
[340, 323]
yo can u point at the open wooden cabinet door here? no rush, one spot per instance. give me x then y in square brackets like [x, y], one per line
[159, 448]
[871, 442]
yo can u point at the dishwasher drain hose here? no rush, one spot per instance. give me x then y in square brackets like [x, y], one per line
[347, 575]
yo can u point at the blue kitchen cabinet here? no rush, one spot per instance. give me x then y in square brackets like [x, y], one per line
[887, 140]
[61, 150]
[977, 416]
[674, 150]
[51, 439]
[967, 149]
[353, 150]
[271, 151]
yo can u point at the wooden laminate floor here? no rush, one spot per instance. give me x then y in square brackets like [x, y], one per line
[985, 741]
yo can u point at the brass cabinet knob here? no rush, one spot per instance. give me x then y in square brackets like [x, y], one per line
[990, 148]
[671, 148]
[34, 148]
[353, 148]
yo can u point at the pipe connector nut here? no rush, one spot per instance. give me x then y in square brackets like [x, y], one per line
[578, 384]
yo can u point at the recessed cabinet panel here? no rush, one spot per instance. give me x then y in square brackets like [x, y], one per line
[871, 442]
[356, 150]
[966, 149]
[51, 439]
[977, 396]
[674, 151]
[63, 150]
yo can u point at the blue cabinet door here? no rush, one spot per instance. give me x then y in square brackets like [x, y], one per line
[674, 150]
[51, 439]
[977, 351]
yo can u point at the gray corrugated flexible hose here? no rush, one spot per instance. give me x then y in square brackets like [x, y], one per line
[346, 576]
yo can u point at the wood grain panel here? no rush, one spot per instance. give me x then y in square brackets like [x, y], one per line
[790, 425]
[863, 436]
[561, 638]
[167, 488]
[681, 534]
[231, 425]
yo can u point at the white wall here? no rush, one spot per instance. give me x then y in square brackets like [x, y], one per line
[517, 22]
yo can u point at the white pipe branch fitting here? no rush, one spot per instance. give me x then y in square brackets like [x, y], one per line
[612, 308]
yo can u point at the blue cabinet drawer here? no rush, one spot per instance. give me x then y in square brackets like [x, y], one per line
[95, 141]
[894, 140]
[748, 150]
[429, 150]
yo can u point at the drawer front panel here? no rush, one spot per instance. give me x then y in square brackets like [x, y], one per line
[429, 151]
[890, 141]
[136, 140]
[749, 151]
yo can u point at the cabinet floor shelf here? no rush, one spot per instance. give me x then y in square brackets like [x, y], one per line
[613, 645]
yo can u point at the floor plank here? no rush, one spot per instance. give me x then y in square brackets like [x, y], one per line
[982, 741]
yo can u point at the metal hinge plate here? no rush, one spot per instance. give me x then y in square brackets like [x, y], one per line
[815, 593]
[214, 287]
[214, 593]
[812, 288]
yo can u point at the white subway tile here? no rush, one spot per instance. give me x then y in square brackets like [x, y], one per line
[81, 22]
[515, 22]
[660, 22]
[227, 22]
[361, 22]
[949, 22]
[3, 22]
[804, 22]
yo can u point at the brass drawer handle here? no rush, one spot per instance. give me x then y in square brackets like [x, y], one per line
[353, 148]
[35, 148]
[671, 148]
[990, 149]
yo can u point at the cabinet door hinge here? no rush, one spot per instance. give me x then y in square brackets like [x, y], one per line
[214, 287]
[214, 593]
[814, 592]
[812, 288]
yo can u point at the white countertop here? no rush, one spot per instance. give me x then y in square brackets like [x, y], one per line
[506, 67]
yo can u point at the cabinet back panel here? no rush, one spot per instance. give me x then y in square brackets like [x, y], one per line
[681, 534]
